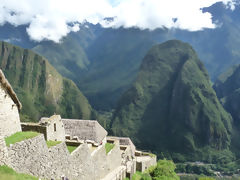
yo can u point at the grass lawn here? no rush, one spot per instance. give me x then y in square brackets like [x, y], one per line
[71, 148]
[108, 147]
[20, 136]
[7, 173]
[52, 143]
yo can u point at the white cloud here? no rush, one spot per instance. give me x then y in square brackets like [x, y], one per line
[53, 19]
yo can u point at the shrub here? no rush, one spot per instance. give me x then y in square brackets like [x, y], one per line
[165, 170]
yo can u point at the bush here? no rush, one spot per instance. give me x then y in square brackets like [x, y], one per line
[164, 170]
[146, 176]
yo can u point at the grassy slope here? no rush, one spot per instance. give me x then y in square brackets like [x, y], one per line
[71, 148]
[7, 173]
[40, 88]
[109, 147]
[172, 106]
[52, 143]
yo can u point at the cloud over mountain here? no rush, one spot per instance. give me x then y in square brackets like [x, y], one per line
[53, 19]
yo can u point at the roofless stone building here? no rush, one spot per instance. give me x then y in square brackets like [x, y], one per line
[9, 108]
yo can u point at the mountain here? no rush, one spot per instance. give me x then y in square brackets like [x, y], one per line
[69, 56]
[103, 62]
[40, 88]
[171, 107]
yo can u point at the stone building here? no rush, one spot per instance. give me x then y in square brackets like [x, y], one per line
[85, 130]
[54, 128]
[9, 108]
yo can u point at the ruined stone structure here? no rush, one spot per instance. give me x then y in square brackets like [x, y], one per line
[89, 160]
[54, 128]
[92, 163]
[9, 108]
[32, 156]
[85, 130]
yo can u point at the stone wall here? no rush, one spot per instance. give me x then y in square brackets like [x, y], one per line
[34, 127]
[3, 151]
[32, 156]
[9, 115]
[144, 162]
[83, 163]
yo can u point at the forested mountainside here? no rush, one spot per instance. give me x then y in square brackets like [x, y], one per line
[40, 88]
[227, 87]
[172, 107]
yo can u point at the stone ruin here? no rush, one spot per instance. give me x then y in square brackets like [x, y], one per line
[89, 161]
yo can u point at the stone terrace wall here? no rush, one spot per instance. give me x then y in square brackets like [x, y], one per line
[32, 156]
[105, 163]
[83, 163]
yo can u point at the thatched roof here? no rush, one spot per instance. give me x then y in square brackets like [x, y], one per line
[6, 85]
[85, 129]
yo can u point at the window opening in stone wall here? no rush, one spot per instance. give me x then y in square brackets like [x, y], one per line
[55, 127]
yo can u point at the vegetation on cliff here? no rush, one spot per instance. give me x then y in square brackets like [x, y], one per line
[172, 107]
[227, 87]
[40, 88]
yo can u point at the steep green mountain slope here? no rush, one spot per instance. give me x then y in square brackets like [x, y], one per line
[227, 88]
[40, 88]
[172, 106]
[68, 56]
[102, 62]
[115, 57]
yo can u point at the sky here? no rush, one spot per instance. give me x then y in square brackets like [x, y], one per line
[54, 19]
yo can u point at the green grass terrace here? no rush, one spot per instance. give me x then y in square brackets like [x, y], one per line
[7, 173]
[109, 147]
[20, 136]
[71, 148]
[52, 143]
